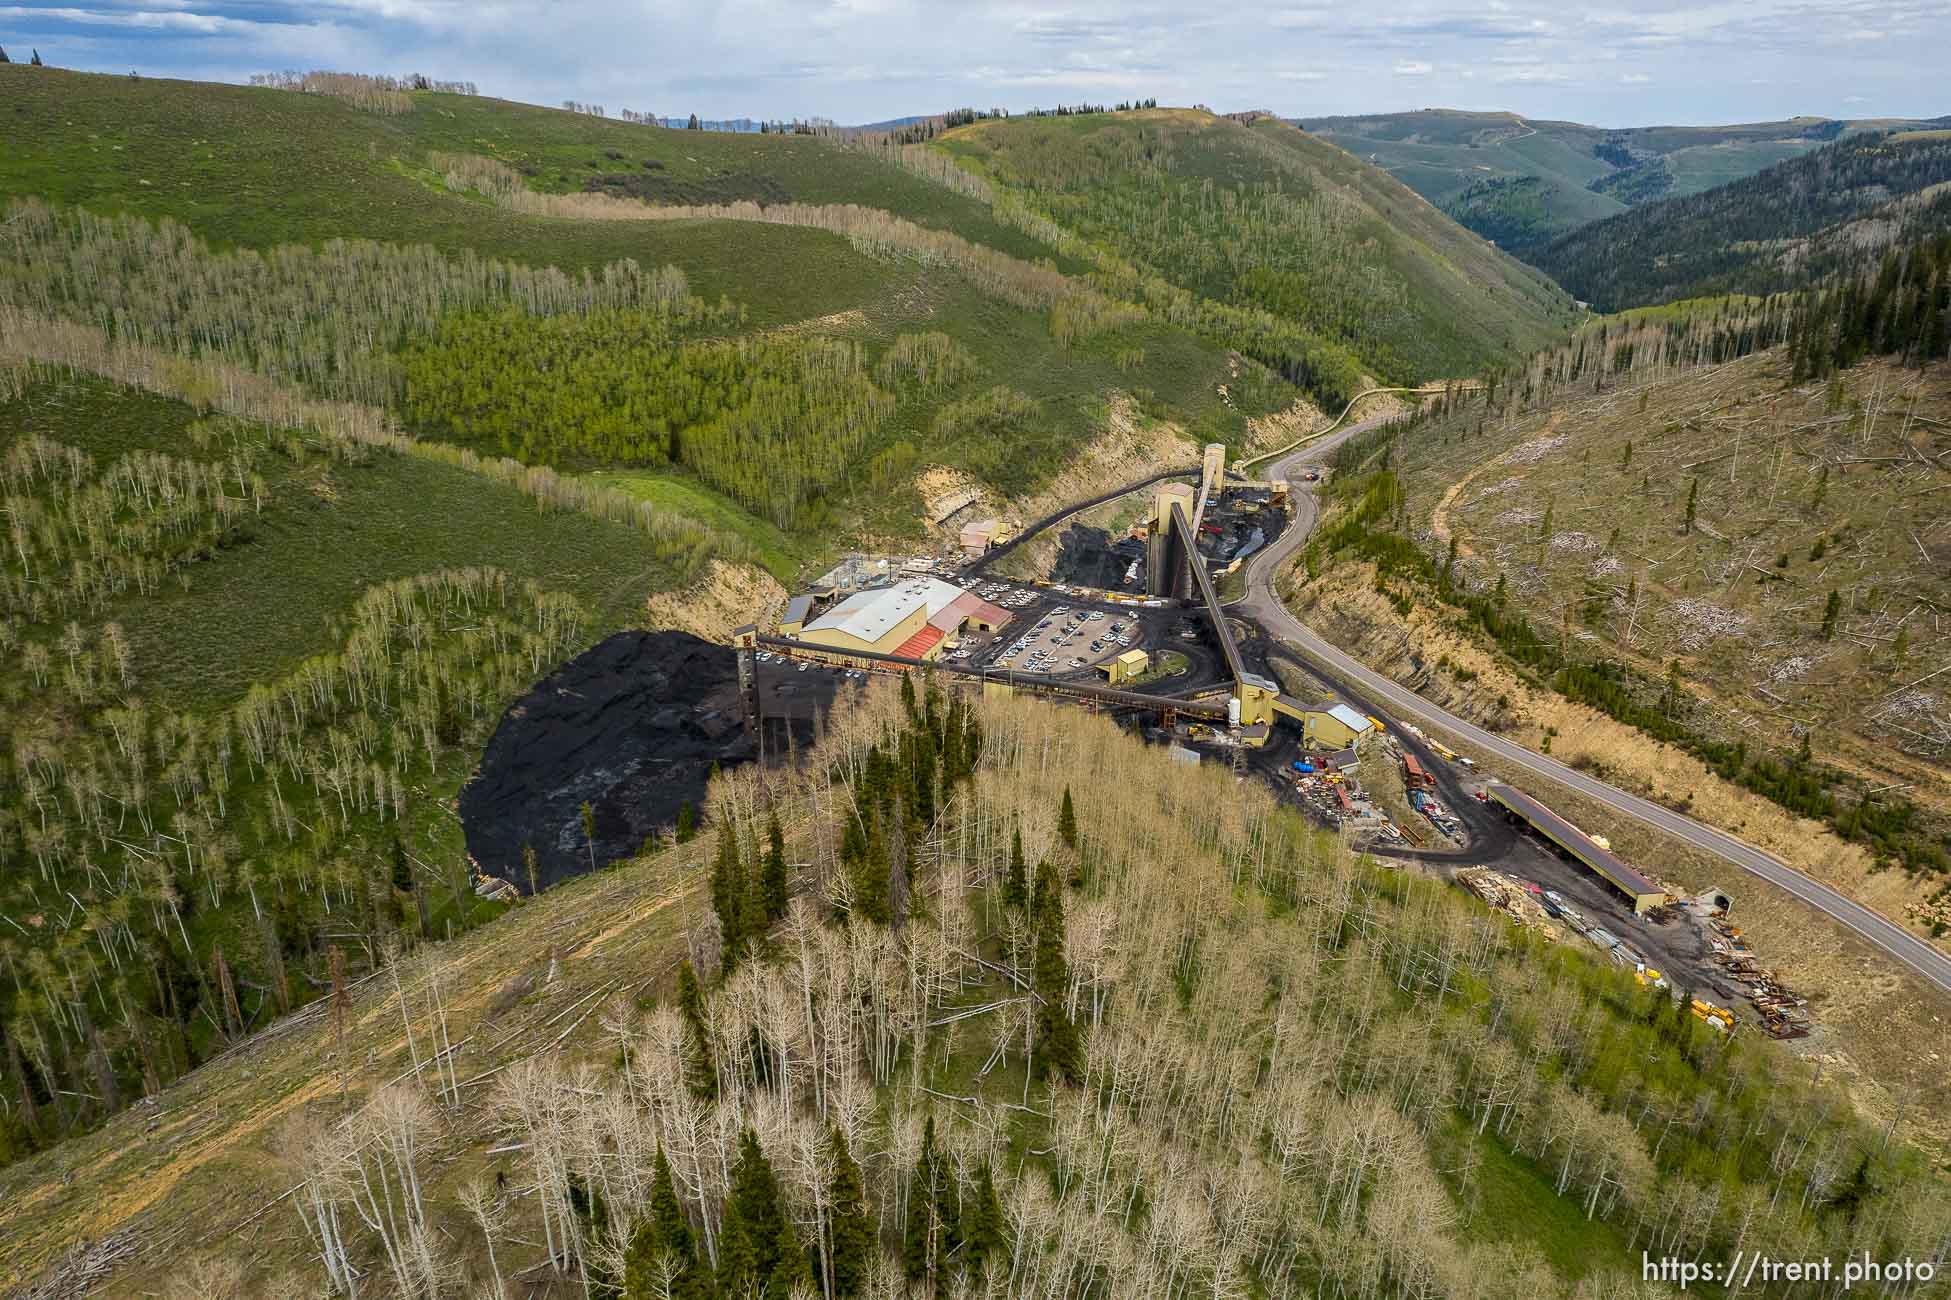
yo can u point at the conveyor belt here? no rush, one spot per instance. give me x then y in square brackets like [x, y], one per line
[1206, 594]
[1037, 682]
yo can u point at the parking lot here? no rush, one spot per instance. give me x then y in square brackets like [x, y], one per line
[776, 675]
[1049, 634]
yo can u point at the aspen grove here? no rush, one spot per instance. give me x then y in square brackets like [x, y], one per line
[1204, 1051]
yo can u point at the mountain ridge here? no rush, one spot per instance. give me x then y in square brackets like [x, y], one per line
[1523, 181]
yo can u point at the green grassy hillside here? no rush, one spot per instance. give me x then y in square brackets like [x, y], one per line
[243, 671]
[1522, 182]
[1252, 218]
[218, 159]
[253, 167]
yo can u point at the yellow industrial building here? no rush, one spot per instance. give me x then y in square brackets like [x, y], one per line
[1130, 664]
[1335, 727]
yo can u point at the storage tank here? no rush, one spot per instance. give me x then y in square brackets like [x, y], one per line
[1233, 711]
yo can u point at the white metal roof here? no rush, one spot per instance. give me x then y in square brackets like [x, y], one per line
[871, 615]
[1348, 718]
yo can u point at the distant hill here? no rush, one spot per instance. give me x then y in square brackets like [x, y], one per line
[1522, 182]
[1795, 222]
[1251, 215]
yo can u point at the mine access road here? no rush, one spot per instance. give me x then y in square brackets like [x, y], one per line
[1261, 604]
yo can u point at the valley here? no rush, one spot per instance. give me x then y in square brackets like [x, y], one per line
[1094, 701]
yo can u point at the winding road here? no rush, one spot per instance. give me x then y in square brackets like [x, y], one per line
[1263, 605]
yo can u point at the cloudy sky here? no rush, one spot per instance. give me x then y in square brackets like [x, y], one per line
[1631, 62]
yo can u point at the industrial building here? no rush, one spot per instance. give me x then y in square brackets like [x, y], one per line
[978, 537]
[1335, 727]
[1643, 893]
[1167, 552]
[1130, 664]
[916, 618]
[794, 618]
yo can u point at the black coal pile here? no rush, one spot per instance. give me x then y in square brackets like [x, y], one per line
[1088, 557]
[632, 727]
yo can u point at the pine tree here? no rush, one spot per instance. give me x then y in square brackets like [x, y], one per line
[986, 1233]
[1831, 611]
[934, 1228]
[773, 877]
[758, 1249]
[1059, 1047]
[869, 872]
[662, 1239]
[1016, 883]
[729, 899]
[402, 870]
[1067, 821]
[900, 865]
[851, 1231]
[701, 1067]
[1693, 499]
[687, 822]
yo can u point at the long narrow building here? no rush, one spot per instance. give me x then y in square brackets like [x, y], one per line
[1645, 895]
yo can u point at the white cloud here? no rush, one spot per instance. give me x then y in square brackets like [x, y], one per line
[866, 60]
[1533, 74]
[145, 19]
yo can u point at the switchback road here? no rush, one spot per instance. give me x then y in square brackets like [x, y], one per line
[1263, 605]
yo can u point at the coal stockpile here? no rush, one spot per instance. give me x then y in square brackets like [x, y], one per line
[632, 727]
[1088, 557]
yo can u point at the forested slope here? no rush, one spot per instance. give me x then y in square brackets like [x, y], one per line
[1249, 228]
[981, 1005]
[867, 246]
[1790, 225]
[1523, 182]
[243, 668]
[254, 622]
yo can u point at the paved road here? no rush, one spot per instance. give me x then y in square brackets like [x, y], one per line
[1261, 603]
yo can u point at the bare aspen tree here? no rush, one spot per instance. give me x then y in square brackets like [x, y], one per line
[477, 1197]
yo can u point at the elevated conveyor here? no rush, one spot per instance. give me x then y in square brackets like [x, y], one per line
[747, 637]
